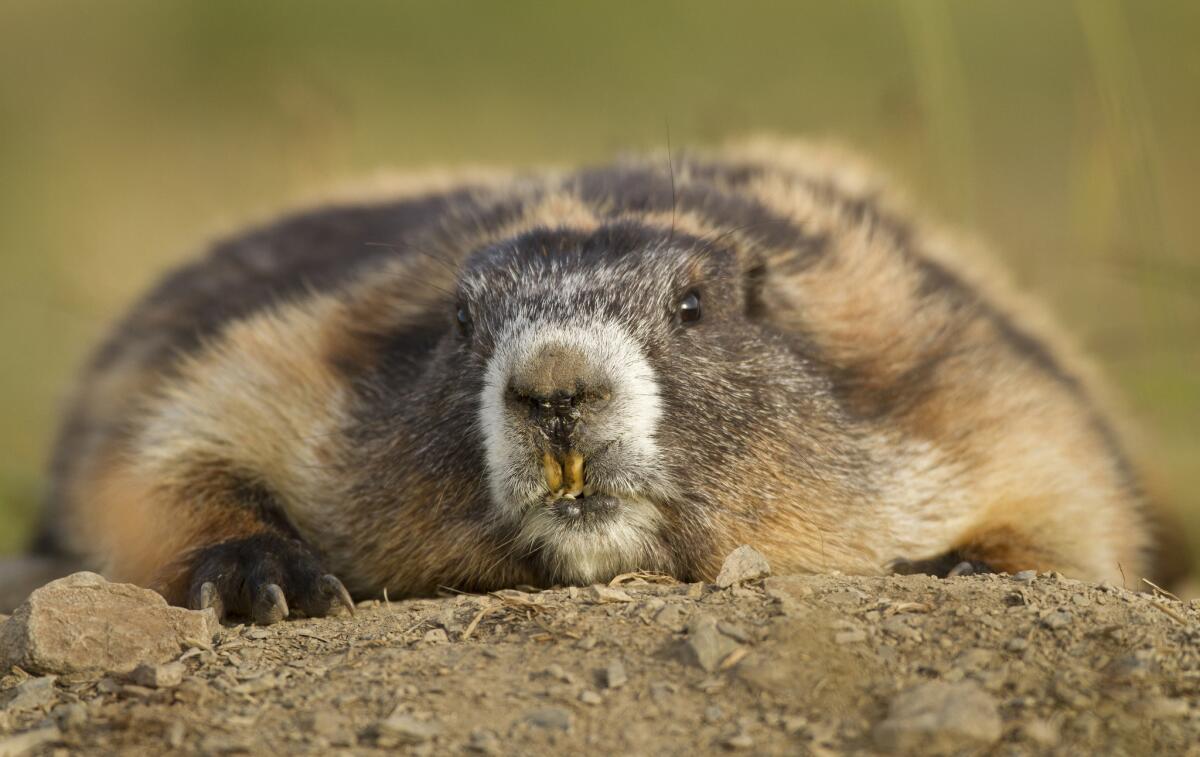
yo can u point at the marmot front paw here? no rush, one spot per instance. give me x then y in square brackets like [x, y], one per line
[264, 578]
[948, 565]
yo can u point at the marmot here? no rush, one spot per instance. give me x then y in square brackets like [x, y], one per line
[557, 377]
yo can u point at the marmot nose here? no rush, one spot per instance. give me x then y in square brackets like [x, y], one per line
[556, 385]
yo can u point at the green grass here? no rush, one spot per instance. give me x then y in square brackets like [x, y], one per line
[1062, 132]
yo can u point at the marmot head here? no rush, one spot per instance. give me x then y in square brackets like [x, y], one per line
[632, 394]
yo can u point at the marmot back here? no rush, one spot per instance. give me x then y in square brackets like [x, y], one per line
[558, 377]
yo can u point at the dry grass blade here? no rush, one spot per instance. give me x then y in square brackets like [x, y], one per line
[1170, 613]
[733, 658]
[1160, 590]
[518, 600]
[470, 629]
[643, 575]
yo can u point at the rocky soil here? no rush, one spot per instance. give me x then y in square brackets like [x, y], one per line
[776, 664]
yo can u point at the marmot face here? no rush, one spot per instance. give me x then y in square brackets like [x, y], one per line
[625, 371]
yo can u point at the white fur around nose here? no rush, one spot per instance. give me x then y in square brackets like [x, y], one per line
[632, 415]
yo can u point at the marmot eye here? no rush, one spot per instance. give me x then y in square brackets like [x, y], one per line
[464, 319]
[689, 308]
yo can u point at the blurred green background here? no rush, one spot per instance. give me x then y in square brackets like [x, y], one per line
[1065, 134]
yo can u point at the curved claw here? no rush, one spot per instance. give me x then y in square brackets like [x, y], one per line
[206, 596]
[331, 586]
[270, 606]
[964, 568]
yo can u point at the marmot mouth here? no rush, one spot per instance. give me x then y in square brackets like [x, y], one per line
[572, 502]
[584, 510]
[569, 468]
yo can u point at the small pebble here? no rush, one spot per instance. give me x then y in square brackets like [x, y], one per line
[587, 696]
[402, 728]
[436, 636]
[484, 742]
[742, 564]
[1057, 619]
[850, 637]
[794, 724]
[32, 694]
[69, 716]
[738, 741]
[550, 718]
[672, 617]
[601, 594]
[614, 675]
[1040, 732]
[165, 676]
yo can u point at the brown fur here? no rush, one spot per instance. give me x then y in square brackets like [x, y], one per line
[991, 425]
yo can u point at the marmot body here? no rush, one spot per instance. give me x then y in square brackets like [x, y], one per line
[557, 378]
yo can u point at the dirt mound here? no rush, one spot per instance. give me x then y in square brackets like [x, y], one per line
[824, 664]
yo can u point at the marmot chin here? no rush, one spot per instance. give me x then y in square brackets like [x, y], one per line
[553, 378]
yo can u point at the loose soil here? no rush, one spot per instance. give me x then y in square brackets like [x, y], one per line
[798, 665]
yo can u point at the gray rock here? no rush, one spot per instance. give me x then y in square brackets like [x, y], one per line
[743, 564]
[1025, 576]
[939, 718]
[30, 695]
[550, 718]
[789, 591]
[402, 728]
[159, 676]
[671, 617]
[85, 626]
[705, 646]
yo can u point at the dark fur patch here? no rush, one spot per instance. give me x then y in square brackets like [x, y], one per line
[618, 191]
